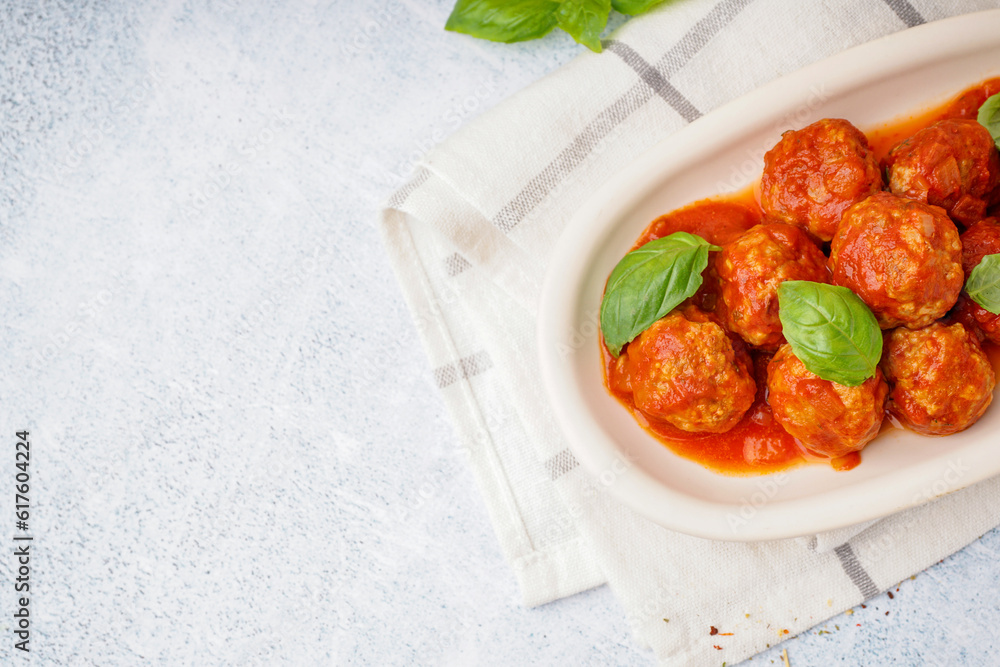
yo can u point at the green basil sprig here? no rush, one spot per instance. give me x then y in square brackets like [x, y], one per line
[648, 283]
[501, 21]
[634, 7]
[989, 117]
[584, 20]
[520, 20]
[983, 285]
[831, 330]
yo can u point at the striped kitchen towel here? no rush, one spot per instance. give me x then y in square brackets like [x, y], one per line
[470, 237]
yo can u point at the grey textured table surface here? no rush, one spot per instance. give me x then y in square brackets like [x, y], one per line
[238, 454]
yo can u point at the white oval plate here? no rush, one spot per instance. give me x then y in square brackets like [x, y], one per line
[869, 85]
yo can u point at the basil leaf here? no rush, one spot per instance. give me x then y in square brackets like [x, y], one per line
[989, 117]
[520, 20]
[634, 7]
[503, 20]
[584, 20]
[648, 283]
[983, 285]
[831, 330]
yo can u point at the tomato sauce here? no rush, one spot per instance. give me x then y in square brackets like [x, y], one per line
[758, 444]
[966, 105]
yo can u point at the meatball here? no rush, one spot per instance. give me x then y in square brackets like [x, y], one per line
[814, 174]
[942, 381]
[750, 270]
[952, 164]
[686, 370]
[830, 419]
[984, 324]
[718, 222]
[979, 240]
[902, 257]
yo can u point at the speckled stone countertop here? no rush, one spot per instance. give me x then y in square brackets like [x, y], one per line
[238, 455]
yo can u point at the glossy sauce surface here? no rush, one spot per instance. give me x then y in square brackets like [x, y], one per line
[758, 444]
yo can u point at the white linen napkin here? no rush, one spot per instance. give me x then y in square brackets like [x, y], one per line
[470, 236]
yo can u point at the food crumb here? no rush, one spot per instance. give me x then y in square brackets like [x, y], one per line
[666, 620]
[748, 615]
[829, 603]
[783, 631]
[891, 596]
[717, 647]
[837, 626]
[850, 612]
[886, 613]
[784, 657]
[725, 634]
[714, 630]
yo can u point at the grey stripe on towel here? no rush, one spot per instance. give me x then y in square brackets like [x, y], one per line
[655, 80]
[906, 12]
[455, 264]
[402, 194]
[560, 464]
[854, 570]
[466, 367]
[580, 147]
